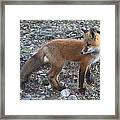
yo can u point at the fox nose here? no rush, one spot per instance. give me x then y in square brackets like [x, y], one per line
[81, 52]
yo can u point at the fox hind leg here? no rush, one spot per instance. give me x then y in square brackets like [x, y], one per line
[53, 76]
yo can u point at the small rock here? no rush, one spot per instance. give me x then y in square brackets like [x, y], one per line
[49, 86]
[42, 92]
[63, 70]
[42, 97]
[28, 96]
[72, 97]
[62, 83]
[65, 92]
[45, 82]
[47, 96]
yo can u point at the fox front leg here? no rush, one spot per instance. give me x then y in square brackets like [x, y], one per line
[81, 78]
[84, 63]
[88, 76]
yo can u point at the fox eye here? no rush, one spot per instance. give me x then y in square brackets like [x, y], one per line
[91, 36]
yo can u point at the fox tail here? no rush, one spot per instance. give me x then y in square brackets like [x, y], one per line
[30, 66]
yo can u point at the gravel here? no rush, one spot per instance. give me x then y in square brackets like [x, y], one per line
[35, 33]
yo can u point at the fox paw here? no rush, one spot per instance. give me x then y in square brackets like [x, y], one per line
[58, 88]
[82, 91]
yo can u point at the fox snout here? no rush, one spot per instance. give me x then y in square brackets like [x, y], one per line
[84, 50]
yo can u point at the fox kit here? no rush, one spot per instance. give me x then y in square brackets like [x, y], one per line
[56, 52]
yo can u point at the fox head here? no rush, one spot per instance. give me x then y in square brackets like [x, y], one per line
[92, 41]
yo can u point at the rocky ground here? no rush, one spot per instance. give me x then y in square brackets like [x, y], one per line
[33, 34]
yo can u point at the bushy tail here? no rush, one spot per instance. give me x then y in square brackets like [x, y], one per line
[30, 66]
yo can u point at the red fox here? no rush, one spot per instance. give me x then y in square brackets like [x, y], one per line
[56, 52]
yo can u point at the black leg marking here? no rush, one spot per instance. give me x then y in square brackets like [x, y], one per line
[88, 77]
[81, 81]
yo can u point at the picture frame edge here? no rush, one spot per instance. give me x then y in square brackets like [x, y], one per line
[2, 67]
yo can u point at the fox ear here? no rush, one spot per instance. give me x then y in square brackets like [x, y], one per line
[98, 31]
[85, 31]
